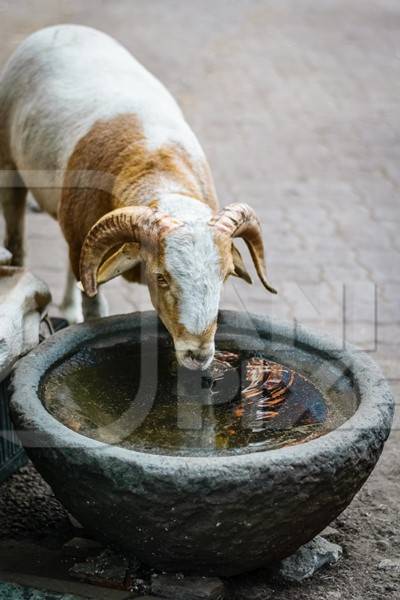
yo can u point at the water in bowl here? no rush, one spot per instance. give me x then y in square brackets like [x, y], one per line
[138, 398]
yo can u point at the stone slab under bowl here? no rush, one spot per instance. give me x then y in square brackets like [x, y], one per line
[208, 514]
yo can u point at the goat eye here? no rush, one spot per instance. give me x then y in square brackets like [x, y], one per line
[162, 282]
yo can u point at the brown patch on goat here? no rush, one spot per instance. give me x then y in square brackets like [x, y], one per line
[111, 167]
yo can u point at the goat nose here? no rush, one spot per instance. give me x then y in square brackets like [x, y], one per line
[196, 360]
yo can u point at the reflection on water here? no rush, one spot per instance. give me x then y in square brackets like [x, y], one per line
[141, 400]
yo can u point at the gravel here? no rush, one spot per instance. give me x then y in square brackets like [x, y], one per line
[30, 511]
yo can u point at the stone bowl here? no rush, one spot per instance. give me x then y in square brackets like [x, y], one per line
[208, 514]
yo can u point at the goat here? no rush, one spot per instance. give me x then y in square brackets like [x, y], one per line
[105, 149]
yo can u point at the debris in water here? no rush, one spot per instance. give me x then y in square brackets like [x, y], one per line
[136, 397]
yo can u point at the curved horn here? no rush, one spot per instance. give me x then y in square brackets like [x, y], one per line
[240, 220]
[130, 224]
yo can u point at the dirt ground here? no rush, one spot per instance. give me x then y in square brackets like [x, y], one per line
[297, 106]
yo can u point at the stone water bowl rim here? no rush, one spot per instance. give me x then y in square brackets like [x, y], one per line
[372, 417]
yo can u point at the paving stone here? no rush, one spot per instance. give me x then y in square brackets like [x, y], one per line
[108, 569]
[389, 565]
[309, 559]
[61, 587]
[180, 587]
[81, 548]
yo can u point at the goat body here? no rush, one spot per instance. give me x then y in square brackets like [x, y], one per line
[90, 132]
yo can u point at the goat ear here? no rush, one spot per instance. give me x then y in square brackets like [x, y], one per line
[240, 269]
[124, 259]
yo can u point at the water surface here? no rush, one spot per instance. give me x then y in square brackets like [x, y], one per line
[138, 398]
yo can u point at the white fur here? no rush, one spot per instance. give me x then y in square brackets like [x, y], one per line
[192, 259]
[61, 80]
[71, 305]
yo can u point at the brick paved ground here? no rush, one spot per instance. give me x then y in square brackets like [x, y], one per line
[296, 104]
